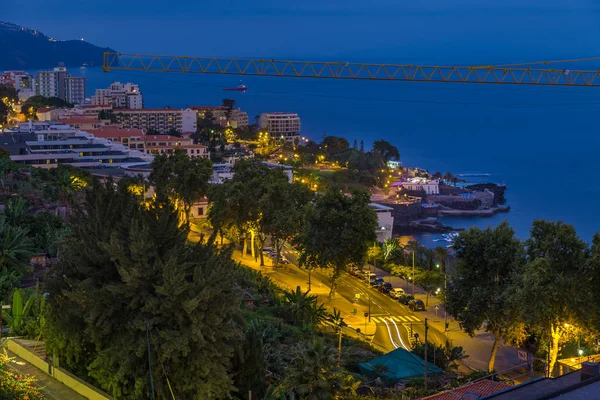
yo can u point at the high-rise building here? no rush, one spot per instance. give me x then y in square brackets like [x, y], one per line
[75, 89]
[281, 125]
[58, 83]
[119, 95]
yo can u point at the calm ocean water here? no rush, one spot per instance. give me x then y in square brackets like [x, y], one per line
[542, 142]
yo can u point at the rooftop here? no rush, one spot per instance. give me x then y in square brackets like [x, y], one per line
[79, 120]
[115, 132]
[476, 389]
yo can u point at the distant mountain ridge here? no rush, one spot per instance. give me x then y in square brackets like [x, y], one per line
[24, 48]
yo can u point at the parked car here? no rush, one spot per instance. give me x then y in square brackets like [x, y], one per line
[377, 281]
[405, 298]
[396, 292]
[370, 276]
[385, 288]
[283, 260]
[267, 249]
[416, 305]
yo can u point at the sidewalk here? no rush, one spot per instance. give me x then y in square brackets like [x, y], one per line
[478, 347]
[289, 277]
[52, 389]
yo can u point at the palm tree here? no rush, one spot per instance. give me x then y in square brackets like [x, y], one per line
[303, 307]
[437, 175]
[15, 251]
[389, 245]
[441, 253]
[314, 374]
[448, 177]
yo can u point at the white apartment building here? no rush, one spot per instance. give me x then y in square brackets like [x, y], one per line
[75, 89]
[417, 184]
[159, 119]
[281, 125]
[385, 221]
[119, 95]
[237, 119]
[58, 83]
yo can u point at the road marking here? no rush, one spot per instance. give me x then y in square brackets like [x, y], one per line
[390, 334]
[375, 319]
[397, 319]
[399, 337]
[412, 318]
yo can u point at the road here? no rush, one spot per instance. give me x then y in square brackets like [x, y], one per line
[394, 321]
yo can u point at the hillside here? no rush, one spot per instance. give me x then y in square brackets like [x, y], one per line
[24, 48]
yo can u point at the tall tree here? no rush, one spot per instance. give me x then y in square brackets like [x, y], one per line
[355, 145]
[283, 208]
[334, 145]
[362, 146]
[386, 149]
[181, 179]
[228, 104]
[8, 99]
[549, 288]
[15, 250]
[338, 231]
[315, 375]
[127, 271]
[487, 261]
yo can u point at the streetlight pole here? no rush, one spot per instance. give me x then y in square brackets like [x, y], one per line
[413, 274]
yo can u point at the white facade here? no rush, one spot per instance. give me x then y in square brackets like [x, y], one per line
[429, 187]
[75, 89]
[281, 125]
[119, 95]
[58, 83]
[189, 122]
[159, 119]
[385, 221]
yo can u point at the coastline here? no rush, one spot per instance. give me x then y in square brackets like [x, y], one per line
[473, 213]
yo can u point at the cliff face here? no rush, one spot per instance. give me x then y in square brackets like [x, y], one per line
[24, 48]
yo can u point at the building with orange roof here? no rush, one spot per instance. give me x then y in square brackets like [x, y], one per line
[475, 390]
[161, 120]
[81, 122]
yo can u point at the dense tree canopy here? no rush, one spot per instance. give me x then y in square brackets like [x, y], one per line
[338, 231]
[487, 262]
[32, 104]
[127, 271]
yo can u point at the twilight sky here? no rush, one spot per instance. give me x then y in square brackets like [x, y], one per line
[386, 30]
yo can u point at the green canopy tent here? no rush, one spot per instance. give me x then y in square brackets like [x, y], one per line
[395, 366]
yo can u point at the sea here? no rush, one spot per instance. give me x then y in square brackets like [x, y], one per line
[542, 142]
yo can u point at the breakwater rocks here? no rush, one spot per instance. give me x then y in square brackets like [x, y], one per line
[430, 225]
[488, 212]
[498, 191]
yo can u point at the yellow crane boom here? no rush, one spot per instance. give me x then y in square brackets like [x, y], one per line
[506, 75]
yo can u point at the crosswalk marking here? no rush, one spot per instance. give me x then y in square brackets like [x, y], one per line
[397, 318]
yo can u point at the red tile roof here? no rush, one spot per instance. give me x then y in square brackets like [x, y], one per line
[164, 138]
[44, 109]
[79, 120]
[96, 106]
[206, 108]
[482, 388]
[118, 110]
[115, 132]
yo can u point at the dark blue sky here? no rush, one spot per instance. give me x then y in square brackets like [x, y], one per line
[388, 30]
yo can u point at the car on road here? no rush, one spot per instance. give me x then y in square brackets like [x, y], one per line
[267, 249]
[416, 305]
[396, 292]
[405, 298]
[369, 276]
[385, 288]
[377, 282]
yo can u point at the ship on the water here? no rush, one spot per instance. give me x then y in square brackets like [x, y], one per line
[240, 88]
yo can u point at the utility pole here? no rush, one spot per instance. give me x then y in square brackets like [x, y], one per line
[425, 363]
[445, 291]
[149, 362]
[413, 273]
[3, 307]
[339, 345]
